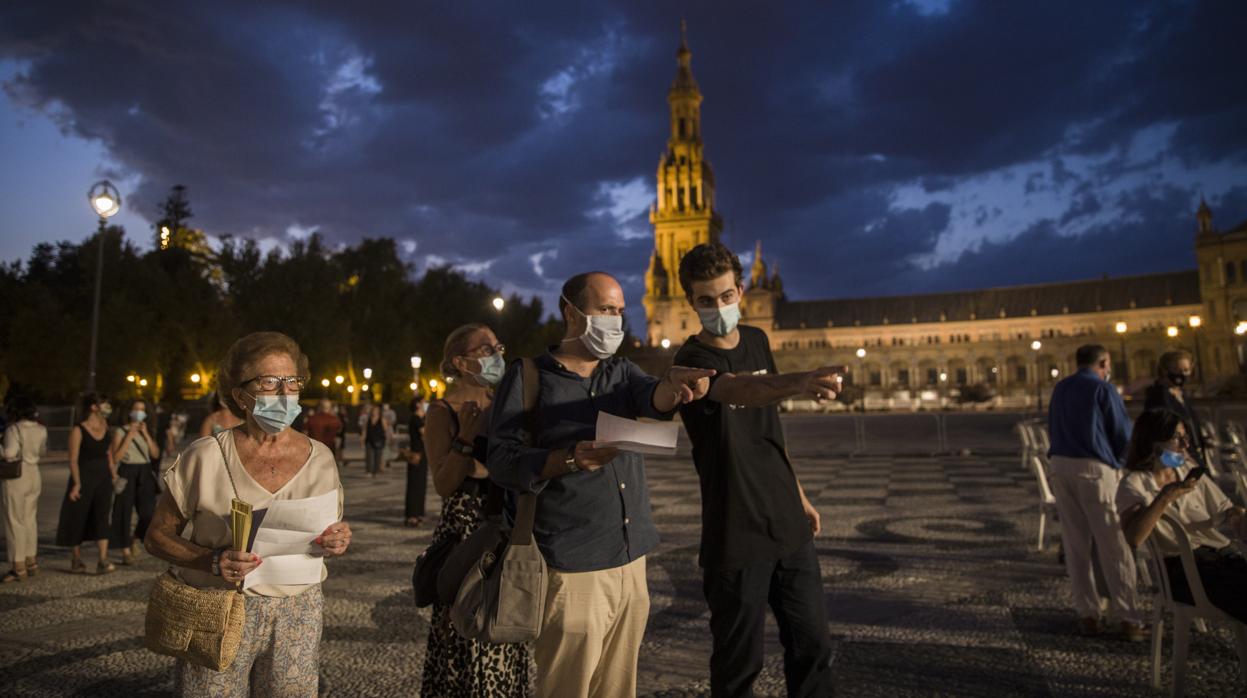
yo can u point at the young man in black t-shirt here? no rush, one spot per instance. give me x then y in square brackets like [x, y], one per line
[758, 526]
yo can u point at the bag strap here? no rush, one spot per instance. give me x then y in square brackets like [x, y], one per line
[225, 460]
[526, 504]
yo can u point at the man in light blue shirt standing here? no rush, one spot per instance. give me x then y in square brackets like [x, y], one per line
[1090, 432]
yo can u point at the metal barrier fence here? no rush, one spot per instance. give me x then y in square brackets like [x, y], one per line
[902, 433]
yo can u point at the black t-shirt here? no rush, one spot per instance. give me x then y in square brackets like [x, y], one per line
[751, 509]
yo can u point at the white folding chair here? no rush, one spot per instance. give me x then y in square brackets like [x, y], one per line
[1023, 428]
[1183, 613]
[1047, 502]
[1238, 464]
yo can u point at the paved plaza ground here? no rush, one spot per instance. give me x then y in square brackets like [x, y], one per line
[933, 587]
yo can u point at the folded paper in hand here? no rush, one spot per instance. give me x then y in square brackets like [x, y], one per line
[285, 540]
[654, 438]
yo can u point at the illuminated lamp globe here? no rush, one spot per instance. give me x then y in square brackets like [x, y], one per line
[104, 198]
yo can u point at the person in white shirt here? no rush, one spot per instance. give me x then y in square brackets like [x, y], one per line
[1160, 481]
[26, 439]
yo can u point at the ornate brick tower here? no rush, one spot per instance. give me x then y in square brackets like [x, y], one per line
[683, 212]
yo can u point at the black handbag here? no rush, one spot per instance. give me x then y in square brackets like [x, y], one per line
[428, 566]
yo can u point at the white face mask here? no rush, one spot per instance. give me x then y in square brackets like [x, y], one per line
[492, 369]
[603, 335]
[720, 321]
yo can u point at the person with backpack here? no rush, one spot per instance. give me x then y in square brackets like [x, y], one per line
[133, 449]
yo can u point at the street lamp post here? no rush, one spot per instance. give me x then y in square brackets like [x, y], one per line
[1036, 346]
[861, 372]
[1195, 322]
[1121, 328]
[106, 202]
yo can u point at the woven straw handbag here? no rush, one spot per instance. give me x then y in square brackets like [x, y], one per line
[201, 626]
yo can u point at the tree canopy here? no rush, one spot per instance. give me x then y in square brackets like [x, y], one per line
[169, 314]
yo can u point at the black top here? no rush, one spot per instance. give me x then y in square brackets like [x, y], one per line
[414, 425]
[376, 433]
[585, 520]
[750, 506]
[1158, 396]
[93, 451]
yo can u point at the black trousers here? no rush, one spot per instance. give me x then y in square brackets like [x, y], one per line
[139, 495]
[417, 486]
[1224, 575]
[793, 589]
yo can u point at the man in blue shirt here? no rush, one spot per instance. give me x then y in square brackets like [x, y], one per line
[593, 522]
[1090, 432]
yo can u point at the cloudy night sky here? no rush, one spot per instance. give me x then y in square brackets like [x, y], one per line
[874, 147]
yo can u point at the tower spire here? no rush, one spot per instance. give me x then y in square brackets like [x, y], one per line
[1204, 216]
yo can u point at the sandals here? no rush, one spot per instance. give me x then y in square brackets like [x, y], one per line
[32, 568]
[13, 576]
[127, 557]
[105, 567]
[77, 566]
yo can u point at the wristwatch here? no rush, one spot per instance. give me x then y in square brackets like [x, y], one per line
[462, 447]
[570, 460]
[216, 561]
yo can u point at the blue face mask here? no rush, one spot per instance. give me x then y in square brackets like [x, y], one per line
[1172, 459]
[276, 412]
[492, 368]
[137, 415]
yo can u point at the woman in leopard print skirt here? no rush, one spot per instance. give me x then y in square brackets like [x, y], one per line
[453, 432]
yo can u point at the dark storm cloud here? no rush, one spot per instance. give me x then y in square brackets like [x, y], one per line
[484, 131]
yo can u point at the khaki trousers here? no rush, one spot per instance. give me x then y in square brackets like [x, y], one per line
[21, 501]
[591, 633]
[1085, 492]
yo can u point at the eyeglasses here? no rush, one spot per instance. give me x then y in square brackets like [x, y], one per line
[487, 350]
[269, 384]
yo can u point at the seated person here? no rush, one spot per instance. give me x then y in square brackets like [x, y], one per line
[1156, 483]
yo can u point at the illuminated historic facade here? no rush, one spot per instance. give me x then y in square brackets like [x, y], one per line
[921, 350]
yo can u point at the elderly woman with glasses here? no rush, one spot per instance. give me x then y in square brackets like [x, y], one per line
[267, 461]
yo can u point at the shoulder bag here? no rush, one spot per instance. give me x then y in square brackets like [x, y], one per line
[502, 597]
[12, 469]
[428, 567]
[202, 626]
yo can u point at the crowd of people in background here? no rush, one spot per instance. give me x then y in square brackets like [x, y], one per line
[1114, 481]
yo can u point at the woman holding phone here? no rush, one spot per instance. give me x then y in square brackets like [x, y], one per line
[1163, 479]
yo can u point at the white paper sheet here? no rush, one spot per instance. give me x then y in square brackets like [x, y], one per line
[312, 515]
[286, 538]
[654, 438]
[286, 569]
[269, 542]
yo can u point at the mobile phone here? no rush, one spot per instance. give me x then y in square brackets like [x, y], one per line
[1196, 473]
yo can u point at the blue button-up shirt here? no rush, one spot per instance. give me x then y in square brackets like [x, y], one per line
[1087, 419]
[585, 520]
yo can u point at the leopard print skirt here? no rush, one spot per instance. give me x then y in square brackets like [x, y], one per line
[455, 667]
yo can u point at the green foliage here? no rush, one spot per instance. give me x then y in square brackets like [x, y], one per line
[168, 313]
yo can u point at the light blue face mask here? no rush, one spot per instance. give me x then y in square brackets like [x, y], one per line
[720, 321]
[492, 368]
[1172, 459]
[137, 415]
[276, 412]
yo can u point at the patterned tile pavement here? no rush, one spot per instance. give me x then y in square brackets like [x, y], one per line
[932, 586]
